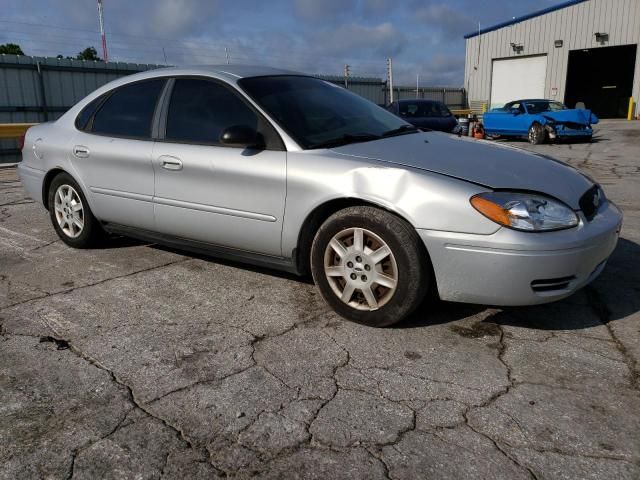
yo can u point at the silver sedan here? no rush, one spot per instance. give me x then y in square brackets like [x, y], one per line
[276, 168]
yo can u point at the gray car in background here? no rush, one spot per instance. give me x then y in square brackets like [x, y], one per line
[426, 115]
[289, 171]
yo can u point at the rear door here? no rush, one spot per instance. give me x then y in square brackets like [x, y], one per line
[205, 191]
[112, 154]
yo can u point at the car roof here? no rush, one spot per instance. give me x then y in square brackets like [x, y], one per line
[234, 72]
[533, 100]
[418, 100]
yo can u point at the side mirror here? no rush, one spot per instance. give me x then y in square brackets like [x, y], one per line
[241, 136]
[515, 111]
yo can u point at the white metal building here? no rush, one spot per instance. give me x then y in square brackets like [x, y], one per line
[577, 51]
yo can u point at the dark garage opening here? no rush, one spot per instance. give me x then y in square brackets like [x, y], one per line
[601, 78]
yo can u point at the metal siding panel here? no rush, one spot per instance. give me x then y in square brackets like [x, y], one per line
[625, 18]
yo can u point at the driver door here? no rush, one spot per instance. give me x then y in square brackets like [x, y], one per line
[520, 121]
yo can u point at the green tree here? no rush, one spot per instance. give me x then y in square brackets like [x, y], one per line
[89, 53]
[11, 49]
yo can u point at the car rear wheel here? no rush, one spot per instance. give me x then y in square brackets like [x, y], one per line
[369, 265]
[537, 134]
[70, 213]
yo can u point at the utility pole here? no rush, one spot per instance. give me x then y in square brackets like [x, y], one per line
[347, 72]
[105, 55]
[390, 78]
[417, 84]
[226, 54]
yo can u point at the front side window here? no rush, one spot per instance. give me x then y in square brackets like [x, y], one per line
[128, 112]
[200, 110]
[514, 106]
[544, 106]
[315, 112]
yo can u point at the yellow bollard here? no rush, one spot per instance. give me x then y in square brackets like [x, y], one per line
[484, 108]
[630, 112]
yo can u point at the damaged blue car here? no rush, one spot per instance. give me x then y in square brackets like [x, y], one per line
[539, 120]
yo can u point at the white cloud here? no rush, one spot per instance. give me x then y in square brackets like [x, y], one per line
[451, 22]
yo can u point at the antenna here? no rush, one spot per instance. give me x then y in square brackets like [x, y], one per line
[105, 55]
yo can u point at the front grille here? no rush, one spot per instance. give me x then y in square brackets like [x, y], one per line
[550, 284]
[590, 202]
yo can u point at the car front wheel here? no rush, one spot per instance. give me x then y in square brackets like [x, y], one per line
[369, 265]
[70, 213]
[537, 134]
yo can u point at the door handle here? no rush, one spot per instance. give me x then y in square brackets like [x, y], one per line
[81, 151]
[170, 163]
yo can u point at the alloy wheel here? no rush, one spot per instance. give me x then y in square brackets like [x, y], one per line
[69, 211]
[361, 269]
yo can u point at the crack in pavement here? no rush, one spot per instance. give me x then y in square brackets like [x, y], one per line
[99, 282]
[89, 444]
[465, 414]
[57, 338]
[603, 313]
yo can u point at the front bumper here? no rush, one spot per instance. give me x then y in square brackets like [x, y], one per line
[562, 131]
[511, 268]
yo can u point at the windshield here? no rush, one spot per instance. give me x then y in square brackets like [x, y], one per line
[544, 106]
[317, 113]
[421, 109]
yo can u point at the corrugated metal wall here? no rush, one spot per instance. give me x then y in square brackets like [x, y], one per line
[38, 89]
[575, 25]
[373, 89]
[453, 97]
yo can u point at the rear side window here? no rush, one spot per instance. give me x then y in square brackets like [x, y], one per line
[82, 120]
[128, 112]
[200, 110]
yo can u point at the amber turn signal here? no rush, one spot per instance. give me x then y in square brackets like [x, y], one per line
[491, 210]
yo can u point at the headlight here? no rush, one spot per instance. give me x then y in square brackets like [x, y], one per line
[525, 211]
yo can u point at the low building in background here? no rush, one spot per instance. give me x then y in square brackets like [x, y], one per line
[580, 52]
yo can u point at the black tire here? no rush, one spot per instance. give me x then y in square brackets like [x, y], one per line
[91, 233]
[537, 134]
[411, 260]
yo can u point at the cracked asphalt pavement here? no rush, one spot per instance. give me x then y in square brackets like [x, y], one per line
[136, 361]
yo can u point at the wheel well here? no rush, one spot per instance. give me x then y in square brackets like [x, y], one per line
[317, 217]
[51, 174]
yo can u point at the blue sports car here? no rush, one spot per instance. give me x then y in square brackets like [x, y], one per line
[539, 120]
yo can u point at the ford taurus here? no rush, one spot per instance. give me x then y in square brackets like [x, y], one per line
[289, 171]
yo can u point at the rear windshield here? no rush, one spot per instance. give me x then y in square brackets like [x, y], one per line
[423, 109]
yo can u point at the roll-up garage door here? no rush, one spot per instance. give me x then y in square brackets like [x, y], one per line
[517, 78]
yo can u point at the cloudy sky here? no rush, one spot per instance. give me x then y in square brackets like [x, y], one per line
[424, 37]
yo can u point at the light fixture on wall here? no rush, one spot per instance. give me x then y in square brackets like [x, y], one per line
[517, 47]
[601, 37]
[558, 43]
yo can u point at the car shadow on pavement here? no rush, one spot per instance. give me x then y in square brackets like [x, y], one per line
[614, 295]
[236, 264]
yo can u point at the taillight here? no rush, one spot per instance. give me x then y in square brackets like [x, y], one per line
[21, 141]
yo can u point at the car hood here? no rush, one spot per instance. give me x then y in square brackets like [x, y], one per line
[580, 116]
[480, 162]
